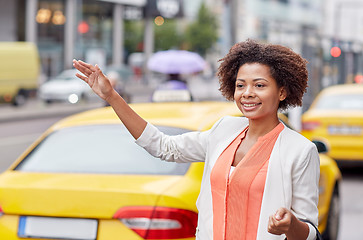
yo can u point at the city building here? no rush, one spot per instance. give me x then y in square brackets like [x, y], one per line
[93, 29]
[83, 29]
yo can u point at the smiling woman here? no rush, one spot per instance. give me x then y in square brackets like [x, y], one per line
[257, 94]
[261, 79]
[286, 67]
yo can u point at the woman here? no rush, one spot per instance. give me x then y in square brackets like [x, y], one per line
[260, 179]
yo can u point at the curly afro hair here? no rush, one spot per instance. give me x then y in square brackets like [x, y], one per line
[287, 68]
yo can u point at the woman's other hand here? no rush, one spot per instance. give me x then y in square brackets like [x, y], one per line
[94, 77]
[284, 222]
[280, 222]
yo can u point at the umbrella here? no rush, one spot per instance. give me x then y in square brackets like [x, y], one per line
[176, 62]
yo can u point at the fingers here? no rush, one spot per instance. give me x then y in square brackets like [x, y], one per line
[87, 65]
[273, 226]
[280, 214]
[97, 68]
[83, 67]
[279, 223]
[92, 74]
[82, 77]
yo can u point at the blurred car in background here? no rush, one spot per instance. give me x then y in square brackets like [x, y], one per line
[336, 118]
[172, 91]
[65, 87]
[86, 178]
[19, 71]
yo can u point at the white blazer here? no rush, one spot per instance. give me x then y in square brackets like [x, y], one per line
[292, 177]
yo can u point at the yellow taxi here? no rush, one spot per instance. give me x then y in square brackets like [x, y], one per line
[85, 178]
[336, 118]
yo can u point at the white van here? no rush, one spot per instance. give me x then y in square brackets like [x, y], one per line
[19, 71]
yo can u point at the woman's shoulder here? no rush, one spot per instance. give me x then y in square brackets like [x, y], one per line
[234, 119]
[229, 125]
[233, 122]
[292, 138]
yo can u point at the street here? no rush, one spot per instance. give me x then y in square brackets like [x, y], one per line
[16, 136]
[351, 192]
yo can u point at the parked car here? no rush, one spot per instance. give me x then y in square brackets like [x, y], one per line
[172, 91]
[336, 118]
[65, 87]
[86, 178]
[19, 71]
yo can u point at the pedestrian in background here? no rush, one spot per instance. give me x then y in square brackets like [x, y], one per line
[261, 178]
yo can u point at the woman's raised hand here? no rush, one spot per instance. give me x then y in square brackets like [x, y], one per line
[94, 77]
[101, 85]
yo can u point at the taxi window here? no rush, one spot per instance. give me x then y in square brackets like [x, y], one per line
[103, 149]
[341, 102]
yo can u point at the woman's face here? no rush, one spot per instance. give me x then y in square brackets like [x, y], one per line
[256, 92]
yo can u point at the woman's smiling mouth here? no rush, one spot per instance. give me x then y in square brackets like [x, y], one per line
[250, 104]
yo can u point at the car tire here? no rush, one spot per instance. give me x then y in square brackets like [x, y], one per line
[84, 98]
[20, 99]
[332, 227]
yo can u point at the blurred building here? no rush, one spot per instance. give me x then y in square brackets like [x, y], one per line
[293, 23]
[82, 29]
[12, 20]
[343, 28]
[66, 29]
[93, 30]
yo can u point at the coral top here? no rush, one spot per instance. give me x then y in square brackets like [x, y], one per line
[237, 198]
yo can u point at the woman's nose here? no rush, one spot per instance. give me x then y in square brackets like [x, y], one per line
[248, 92]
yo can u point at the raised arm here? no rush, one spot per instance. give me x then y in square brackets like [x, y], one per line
[101, 85]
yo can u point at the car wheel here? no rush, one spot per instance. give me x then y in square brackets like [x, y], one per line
[332, 227]
[19, 99]
[84, 97]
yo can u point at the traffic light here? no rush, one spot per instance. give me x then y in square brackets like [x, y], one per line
[83, 27]
[335, 51]
[358, 78]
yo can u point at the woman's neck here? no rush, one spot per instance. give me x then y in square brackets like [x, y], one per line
[260, 127]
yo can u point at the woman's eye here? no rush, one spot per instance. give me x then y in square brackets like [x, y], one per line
[259, 85]
[239, 85]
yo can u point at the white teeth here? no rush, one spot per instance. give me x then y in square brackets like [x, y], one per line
[250, 105]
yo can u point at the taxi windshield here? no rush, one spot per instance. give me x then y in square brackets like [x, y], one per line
[102, 149]
[341, 102]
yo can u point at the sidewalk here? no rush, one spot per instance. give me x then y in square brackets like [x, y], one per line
[34, 109]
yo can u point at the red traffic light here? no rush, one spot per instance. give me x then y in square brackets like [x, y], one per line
[83, 27]
[358, 78]
[335, 52]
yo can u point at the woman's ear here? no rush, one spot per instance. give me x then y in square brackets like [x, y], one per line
[282, 94]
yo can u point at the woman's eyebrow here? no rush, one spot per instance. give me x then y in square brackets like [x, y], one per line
[256, 79]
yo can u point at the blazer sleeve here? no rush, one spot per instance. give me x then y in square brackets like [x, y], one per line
[305, 187]
[187, 147]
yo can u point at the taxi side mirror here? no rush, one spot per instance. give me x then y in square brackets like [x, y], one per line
[322, 148]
